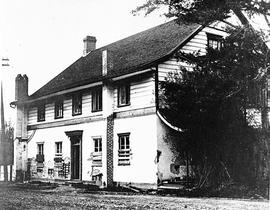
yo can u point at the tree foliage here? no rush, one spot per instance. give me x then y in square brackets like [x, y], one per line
[204, 11]
[210, 102]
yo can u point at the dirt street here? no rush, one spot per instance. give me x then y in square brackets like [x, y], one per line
[66, 197]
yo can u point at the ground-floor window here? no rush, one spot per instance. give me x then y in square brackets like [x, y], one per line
[40, 152]
[97, 154]
[58, 148]
[124, 149]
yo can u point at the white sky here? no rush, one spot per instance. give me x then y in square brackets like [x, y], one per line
[43, 37]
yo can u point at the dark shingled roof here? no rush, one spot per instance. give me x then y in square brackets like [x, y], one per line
[125, 56]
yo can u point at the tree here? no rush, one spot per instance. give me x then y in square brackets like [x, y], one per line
[211, 102]
[207, 11]
[204, 11]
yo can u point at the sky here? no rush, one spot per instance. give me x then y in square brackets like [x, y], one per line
[43, 37]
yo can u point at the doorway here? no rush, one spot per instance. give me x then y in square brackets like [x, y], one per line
[75, 157]
[75, 154]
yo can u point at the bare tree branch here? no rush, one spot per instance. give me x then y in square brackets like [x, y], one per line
[267, 21]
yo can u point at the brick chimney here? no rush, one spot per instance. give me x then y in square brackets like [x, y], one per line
[89, 44]
[21, 87]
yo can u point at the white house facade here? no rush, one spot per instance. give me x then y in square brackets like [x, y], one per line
[99, 121]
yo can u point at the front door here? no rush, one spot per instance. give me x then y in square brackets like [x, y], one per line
[75, 157]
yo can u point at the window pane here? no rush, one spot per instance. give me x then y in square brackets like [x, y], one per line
[127, 142]
[123, 95]
[40, 149]
[41, 112]
[100, 145]
[124, 149]
[58, 146]
[97, 145]
[77, 104]
[97, 99]
[59, 109]
[214, 41]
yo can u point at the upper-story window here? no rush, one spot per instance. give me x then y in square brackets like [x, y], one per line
[58, 109]
[97, 99]
[41, 112]
[123, 95]
[77, 104]
[214, 41]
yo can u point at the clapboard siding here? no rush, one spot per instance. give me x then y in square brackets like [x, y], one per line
[67, 105]
[142, 94]
[171, 66]
[197, 44]
[32, 115]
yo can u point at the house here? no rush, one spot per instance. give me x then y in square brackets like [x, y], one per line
[99, 119]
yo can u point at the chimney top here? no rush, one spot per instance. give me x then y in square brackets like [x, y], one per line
[89, 44]
[90, 38]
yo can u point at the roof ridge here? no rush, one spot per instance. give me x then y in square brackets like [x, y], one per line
[136, 34]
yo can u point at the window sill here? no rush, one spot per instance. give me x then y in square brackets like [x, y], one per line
[58, 117]
[123, 105]
[76, 114]
[123, 164]
[93, 111]
[58, 154]
[41, 120]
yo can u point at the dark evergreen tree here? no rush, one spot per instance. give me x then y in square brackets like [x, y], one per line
[211, 103]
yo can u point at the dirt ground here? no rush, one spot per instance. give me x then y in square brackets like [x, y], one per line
[66, 197]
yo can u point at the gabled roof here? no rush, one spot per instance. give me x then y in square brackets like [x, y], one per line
[125, 56]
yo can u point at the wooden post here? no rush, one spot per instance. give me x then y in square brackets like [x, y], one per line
[10, 174]
[5, 173]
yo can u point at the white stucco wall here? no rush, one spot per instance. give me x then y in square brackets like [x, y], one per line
[169, 156]
[51, 135]
[143, 144]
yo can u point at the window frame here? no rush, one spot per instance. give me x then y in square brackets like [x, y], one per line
[97, 140]
[41, 112]
[96, 99]
[97, 151]
[40, 150]
[124, 150]
[58, 143]
[59, 108]
[214, 38]
[76, 103]
[125, 87]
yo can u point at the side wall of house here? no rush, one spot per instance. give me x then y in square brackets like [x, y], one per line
[172, 164]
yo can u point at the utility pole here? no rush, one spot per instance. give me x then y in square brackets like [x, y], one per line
[3, 138]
